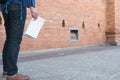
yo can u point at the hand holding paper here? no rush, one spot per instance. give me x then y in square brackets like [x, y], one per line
[34, 27]
[34, 12]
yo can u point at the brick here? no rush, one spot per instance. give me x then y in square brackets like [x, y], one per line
[74, 12]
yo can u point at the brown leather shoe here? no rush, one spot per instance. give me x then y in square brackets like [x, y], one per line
[18, 77]
[4, 74]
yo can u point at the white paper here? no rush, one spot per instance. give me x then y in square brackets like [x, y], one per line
[34, 28]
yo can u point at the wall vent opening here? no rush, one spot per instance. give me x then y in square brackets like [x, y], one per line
[74, 34]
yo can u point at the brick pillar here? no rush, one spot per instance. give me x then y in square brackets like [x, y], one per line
[110, 22]
[117, 21]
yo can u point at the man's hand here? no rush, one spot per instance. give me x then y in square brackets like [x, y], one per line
[34, 12]
[0, 13]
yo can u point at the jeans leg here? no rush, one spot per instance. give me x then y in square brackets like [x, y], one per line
[14, 32]
[7, 24]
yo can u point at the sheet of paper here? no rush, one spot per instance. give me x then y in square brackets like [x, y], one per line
[34, 28]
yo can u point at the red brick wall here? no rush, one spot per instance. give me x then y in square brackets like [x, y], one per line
[2, 37]
[74, 12]
[110, 21]
[117, 20]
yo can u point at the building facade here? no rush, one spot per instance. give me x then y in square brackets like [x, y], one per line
[73, 23]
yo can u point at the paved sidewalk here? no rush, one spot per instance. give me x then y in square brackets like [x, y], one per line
[87, 63]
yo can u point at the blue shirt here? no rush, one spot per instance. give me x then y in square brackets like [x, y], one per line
[27, 3]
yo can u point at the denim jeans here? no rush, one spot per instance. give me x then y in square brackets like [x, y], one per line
[14, 30]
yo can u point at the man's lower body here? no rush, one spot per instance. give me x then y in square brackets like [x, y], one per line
[14, 30]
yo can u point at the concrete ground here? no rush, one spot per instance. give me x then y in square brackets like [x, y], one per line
[86, 63]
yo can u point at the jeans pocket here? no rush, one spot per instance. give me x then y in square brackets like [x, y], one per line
[14, 6]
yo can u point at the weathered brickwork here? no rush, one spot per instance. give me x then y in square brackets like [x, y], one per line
[96, 15]
[110, 21]
[117, 21]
